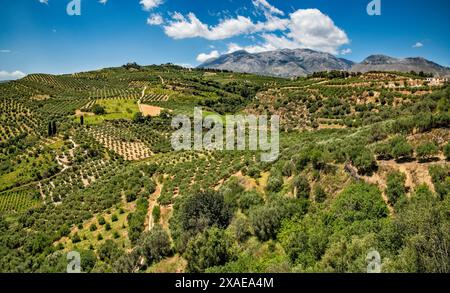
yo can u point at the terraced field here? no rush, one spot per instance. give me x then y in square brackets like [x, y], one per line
[18, 201]
[363, 164]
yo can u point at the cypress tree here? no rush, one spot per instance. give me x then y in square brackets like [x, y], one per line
[54, 129]
[50, 129]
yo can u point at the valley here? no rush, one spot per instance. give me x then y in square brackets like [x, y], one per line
[87, 165]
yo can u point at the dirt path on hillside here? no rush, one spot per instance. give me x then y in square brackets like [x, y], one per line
[148, 110]
[152, 202]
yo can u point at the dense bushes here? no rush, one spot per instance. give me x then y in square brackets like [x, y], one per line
[426, 150]
[136, 220]
[447, 151]
[155, 244]
[395, 186]
[275, 181]
[301, 187]
[359, 202]
[266, 220]
[422, 229]
[98, 110]
[397, 148]
[441, 179]
[305, 240]
[365, 162]
[207, 249]
[197, 212]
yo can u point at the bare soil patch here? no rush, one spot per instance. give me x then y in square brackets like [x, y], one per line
[148, 110]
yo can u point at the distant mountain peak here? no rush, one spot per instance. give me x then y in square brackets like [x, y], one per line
[283, 63]
[379, 59]
[387, 63]
[301, 62]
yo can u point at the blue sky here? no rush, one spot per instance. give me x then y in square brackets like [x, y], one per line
[39, 36]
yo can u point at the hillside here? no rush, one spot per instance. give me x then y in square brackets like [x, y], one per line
[302, 62]
[87, 165]
[386, 63]
[283, 63]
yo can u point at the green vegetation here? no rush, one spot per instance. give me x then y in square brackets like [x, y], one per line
[82, 169]
[395, 186]
[426, 151]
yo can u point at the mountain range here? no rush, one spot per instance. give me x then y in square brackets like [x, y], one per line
[301, 62]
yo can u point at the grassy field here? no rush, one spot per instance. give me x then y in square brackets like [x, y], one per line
[115, 109]
[26, 171]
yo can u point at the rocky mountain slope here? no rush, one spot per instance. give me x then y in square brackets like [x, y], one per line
[301, 62]
[386, 63]
[283, 63]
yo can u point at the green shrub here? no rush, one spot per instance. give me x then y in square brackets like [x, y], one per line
[76, 238]
[155, 244]
[319, 194]
[447, 151]
[365, 162]
[426, 150]
[101, 221]
[301, 187]
[359, 202]
[98, 110]
[400, 148]
[395, 186]
[209, 248]
[156, 213]
[275, 181]
[441, 179]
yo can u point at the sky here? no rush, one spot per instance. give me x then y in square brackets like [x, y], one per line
[39, 36]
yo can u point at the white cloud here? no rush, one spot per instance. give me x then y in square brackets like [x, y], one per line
[312, 29]
[4, 75]
[304, 28]
[5, 51]
[189, 26]
[102, 1]
[155, 19]
[346, 51]
[181, 27]
[150, 4]
[307, 28]
[233, 47]
[266, 7]
[418, 45]
[43, 1]
[316, 33]
[204, 57]
[272, 23]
